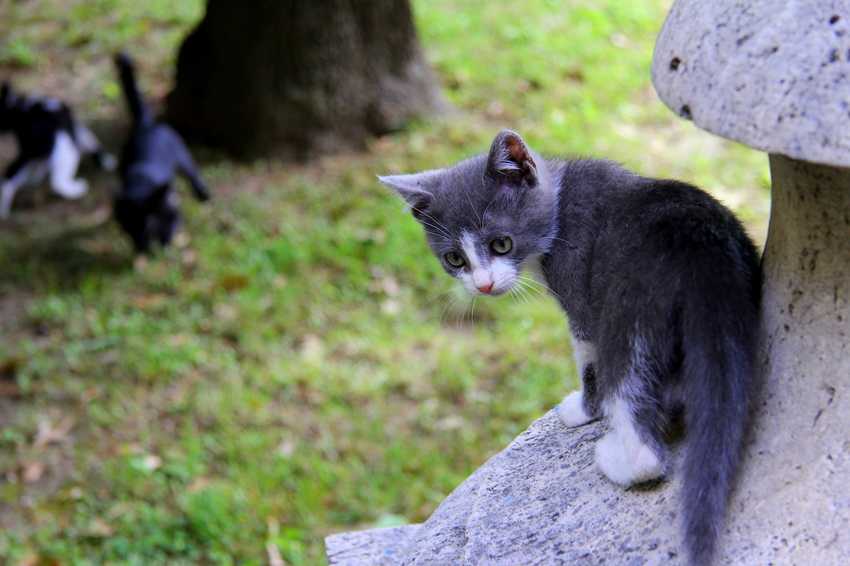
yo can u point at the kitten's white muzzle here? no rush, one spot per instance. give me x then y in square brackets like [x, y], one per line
[495, 279]
[486, 276]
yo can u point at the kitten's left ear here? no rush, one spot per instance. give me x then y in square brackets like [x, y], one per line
[510, 161]
[417, 189]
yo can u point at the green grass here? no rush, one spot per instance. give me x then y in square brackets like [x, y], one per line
[299, 364]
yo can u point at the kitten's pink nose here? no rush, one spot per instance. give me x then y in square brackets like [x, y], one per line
[486, 288]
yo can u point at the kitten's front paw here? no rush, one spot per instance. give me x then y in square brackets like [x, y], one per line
[571, 410]
[74, 188]
[108, 162]
[627, 461]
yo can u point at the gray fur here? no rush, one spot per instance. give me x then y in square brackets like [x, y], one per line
[657, 275]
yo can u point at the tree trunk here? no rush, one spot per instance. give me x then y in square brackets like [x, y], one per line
[299, 79]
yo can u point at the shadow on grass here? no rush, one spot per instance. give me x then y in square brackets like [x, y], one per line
[58, 253]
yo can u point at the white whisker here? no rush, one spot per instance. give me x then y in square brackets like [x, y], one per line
[456, 302]
[466, 315]
[563, 240]
[472, 206]
[519, 294]
[442, 231]
[434, 223]
[523, 288]
[536, 284]
[443, 294]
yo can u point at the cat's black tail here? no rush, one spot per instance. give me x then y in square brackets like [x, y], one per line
[140, 111]
[719, 341]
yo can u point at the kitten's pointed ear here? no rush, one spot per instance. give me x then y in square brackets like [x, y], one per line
[417, 189]
[510, 161]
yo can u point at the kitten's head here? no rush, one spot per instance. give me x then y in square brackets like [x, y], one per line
[486, 217]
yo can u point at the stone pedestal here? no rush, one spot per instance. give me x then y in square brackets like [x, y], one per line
[377, 547]
[541, 501]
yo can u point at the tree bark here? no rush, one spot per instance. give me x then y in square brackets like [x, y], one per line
[299, 79]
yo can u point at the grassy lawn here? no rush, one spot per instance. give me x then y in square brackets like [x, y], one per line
[297, 364]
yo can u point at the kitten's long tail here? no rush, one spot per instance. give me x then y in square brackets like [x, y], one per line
[719, 344]
[140, 111]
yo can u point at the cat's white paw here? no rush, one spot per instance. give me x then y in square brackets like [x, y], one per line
[109, 162]
[7, 193]
[625, 460]
[72, 188]
[571, 410]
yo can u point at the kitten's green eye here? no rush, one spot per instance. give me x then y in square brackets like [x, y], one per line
[501, 246]
[455, 259]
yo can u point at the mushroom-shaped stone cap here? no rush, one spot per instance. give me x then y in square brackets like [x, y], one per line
[772, 75]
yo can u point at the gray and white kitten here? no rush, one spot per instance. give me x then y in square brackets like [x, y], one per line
[661, 287]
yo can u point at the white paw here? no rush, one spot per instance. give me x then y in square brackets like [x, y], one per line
[109, 162]
[571, 410]
[7, 194]
[625, 460]
[74, 188]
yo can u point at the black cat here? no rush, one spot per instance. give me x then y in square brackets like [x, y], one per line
[50, 144]
[147, 208]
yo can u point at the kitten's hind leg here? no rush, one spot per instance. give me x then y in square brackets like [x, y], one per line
[63, 168]
[88, 142]
[188, 168]
[582, 406]
[168, 218]
[19, 174]
[631, 452]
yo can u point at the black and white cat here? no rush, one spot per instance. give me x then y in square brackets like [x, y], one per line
[154, 153]
[50, 144]
[661, 287]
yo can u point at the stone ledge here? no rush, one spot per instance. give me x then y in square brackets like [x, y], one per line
[376, 547]
[541, 501]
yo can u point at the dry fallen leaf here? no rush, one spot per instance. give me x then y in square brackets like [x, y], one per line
[198, 484]
[100, 528]
[275, 559]
[127, 448]
[49, 433]
[312, 348]
[9, 369]
[140, 263]
[152, 462]
[9, 389]
[32, 472]
[29, 560]
[286, 448]
[146, 302]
